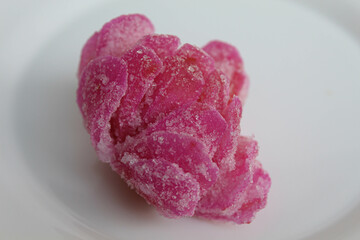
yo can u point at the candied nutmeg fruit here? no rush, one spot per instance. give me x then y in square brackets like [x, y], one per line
[166, 118]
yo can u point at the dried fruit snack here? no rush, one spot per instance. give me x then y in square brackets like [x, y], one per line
[166, 118]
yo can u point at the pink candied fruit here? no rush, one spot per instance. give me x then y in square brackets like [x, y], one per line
[167, 119]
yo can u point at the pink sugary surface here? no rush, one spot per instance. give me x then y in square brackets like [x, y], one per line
[167, 119]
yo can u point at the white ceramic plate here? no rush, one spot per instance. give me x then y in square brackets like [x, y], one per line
[303, 109]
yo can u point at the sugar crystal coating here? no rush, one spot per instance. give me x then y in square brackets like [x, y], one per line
[167, 119]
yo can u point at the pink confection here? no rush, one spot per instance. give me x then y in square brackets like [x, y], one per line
[167, 119]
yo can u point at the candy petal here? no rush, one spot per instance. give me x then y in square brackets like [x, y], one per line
[120, 34]
[197, 57]
[226, 56]
[233, 114]
[164, 45]
[102, 86]
[162, 184]
[216, 91]
[228, 60]
[115, 38]
[88, 52]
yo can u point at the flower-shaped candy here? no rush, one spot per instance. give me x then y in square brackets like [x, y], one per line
[167, 119]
